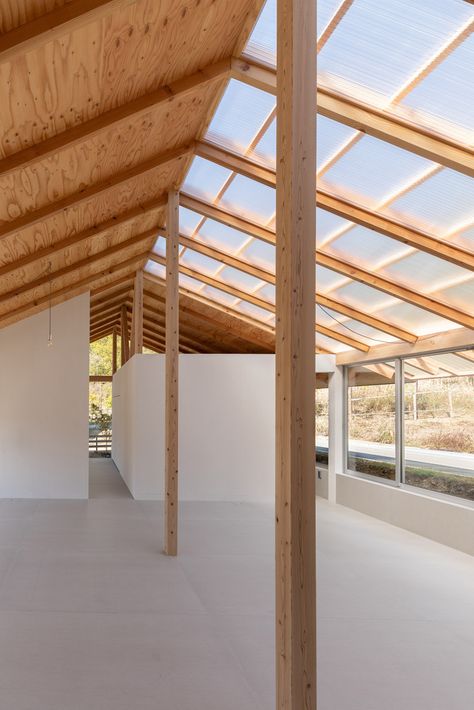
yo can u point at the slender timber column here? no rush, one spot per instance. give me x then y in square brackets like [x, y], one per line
[114, 351]
[124, 332]
[336, 451]
[295, 288]
[172, 362]
[137, 336]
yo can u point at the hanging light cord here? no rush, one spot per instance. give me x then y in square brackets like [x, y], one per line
[375, 340]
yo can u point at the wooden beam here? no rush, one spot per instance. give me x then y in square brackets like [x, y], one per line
[46, 212]
[343, 207]
[87, 262]
[295, 289]
[322, 300]
[343, 309]
[220, 215]
[56, 23]
[113, 118]
[138, 313]
[76, 239]
[172, 367]
[114, 351]
[124, 334]
[100, 378]
[385, 125]
[393, 288]
[342, 338]
[370, 278]
[71, 290]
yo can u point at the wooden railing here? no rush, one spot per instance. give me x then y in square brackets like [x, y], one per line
[101, 444]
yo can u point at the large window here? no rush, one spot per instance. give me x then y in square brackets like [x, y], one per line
[439, 423]
[371, 410]
[322, 420]
[411, 421]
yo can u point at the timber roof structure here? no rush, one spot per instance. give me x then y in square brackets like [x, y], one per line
[105, 106]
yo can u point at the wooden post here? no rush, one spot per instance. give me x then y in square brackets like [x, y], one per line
[295, 289]
[137, 336]
[172, 363]
[114, 351]
[124, 331]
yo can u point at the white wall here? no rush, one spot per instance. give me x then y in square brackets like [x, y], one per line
[44, 405]
[227, 427]
[447, 522]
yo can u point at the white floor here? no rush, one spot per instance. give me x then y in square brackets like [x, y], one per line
[93, 617]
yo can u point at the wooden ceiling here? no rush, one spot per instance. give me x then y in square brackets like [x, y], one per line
[101, 103]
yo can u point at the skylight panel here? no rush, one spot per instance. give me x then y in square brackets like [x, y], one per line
[155, 269]
[414, 319]
[373, 169]
[331, 136]
[200, 262]
[460, 295]
[239, 279]
[421, 271]
[262, 42]
[160, 246]
[234, 125]
[327, 279]
[249, 199]
[253, 311]
[440, 203]
[267, 292]
[362, 297]
[188, 221]
[260, 254]
[327, 224]
[334, 346]
[216, 294]
[189, 283]
[265, 150]
[378, 46]
[444, 100]
[365, 247]
[205, 179]
[464, 238]
[221, 236]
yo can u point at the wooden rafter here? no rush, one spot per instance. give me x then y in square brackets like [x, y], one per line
[76, 265]
[366, 276]
[346, 208]
[79, 198]
[56, 23]
[114, 118]
[269, 277]
[385, 125]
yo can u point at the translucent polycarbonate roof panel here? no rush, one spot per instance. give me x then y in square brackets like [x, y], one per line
[205, 179]
[265, 150]
[200, 262]
[455, 363]
[249, 199]
[328, 224]
[460, 295]
[188, 221]
[235, 126]
[220, 296]
[160, 246]
[239, 279]
[364, 298]
[373, 169]
[221, 236]
[464, 238]
[423, 272]
[439, 204]
[253, 311]
[363, 246]
[260, 254]
[155, 269]
[262, 41]
[267, 292]
[414, 319]
[379, 46]
[444, 100]
[334, 346]
[331, 136]
[327, 279]
[189, 283]
[350, 328]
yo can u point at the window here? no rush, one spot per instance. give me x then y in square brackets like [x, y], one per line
[371, 410]
[322, 420]
[439, 423]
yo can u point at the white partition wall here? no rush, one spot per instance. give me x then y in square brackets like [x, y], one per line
[44, 405]
[227, 427]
